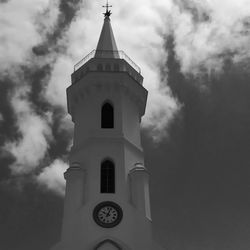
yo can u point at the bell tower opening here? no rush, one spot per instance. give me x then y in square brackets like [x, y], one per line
[107, 177]
[107, 115]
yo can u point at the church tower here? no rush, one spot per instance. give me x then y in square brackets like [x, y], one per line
[107, 204]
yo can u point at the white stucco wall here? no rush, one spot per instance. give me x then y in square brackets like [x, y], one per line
[91, 146]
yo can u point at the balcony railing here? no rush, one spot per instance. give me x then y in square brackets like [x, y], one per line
[117, 54]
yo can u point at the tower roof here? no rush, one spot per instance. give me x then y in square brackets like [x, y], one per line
[106, 47]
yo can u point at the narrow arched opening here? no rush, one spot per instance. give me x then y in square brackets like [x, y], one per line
[116, 67]
[108, 244]
[107, 67]
[107, 119]
[99, 67]
[107, 177]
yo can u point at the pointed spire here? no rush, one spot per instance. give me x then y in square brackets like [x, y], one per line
[106, 47]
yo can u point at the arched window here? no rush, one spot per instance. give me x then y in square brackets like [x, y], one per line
[107, 67]
[99, 67]
[116, 67]
[107, 177]
[108, 244]
[107, 116]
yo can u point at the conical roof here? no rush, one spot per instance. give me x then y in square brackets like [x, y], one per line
[106, 47]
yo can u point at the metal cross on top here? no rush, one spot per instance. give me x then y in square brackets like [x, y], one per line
[108, 12]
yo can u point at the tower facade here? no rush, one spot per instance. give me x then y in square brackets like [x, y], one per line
[107, 202]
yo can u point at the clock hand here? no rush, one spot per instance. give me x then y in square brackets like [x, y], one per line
[108, 213]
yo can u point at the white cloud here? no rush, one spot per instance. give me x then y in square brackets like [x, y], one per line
[140, 31]
[159, 113]
[48, 17]
[19, 29]
[35, 135]
[59, 81]
[52, 177]
[200, 43]
[23, 25]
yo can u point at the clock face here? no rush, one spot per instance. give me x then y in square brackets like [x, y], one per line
[107, 214]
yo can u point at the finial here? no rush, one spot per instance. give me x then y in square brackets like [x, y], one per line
[108, 12]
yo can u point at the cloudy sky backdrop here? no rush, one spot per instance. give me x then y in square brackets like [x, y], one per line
[195, 58]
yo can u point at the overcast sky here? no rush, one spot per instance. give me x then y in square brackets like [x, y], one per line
[195, 59]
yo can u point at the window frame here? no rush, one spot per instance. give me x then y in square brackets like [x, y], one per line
[107, 119]
[107, 179]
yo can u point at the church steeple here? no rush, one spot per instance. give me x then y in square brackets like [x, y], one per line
[106, 47]
[107, 204]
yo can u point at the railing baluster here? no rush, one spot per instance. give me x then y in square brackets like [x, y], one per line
[105, 54]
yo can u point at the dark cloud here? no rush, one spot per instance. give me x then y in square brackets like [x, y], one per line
[202, 170]
[30, 219]
[67, 12]
[37, 76]
[8, 125]
[246, 26]
[199, 175]
[198, 12]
